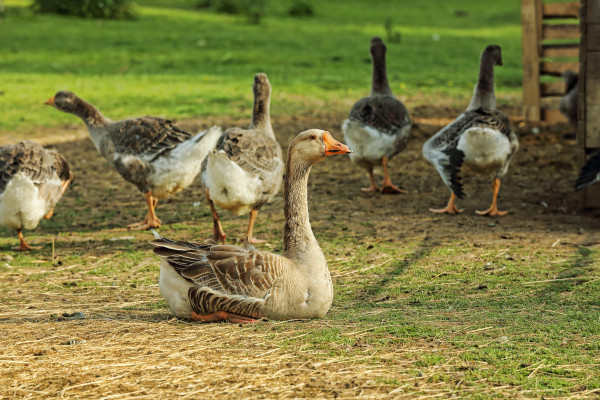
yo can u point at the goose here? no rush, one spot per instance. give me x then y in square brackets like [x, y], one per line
[590, 173]
[568, 103]
[212, 282]
[32, 180]
[159, 158]
[378, 126]
[481, 138]
[245, 170]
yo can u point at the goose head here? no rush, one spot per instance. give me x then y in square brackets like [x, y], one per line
[377, 48]
[314, 145]
[261, 85]
[494, 53]
[65, 101]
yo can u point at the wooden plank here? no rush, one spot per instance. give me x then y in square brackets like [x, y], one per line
[593, 12]
[557, 68]
[593, 64]
[531, 72]
[591, 196]
[552, 88]
[592, 108]
[560, 50]
[593, 37]
[552, 115]
[561, 10]
[560, 31]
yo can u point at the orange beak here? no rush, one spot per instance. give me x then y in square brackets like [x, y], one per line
[50, 101]
[332, 146]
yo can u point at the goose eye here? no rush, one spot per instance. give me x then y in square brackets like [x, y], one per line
[313, 137]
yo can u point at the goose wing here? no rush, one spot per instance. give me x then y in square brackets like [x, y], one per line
[590, 173]
[146, 136]
[227, 278]
[384, 113]
[28, 158]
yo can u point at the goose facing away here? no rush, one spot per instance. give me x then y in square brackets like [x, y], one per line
[378, 126]
[590, 173]
[245, 170]
[209, 282]
[568, 103]
[481, 138]
[32, 180]
[159, 158]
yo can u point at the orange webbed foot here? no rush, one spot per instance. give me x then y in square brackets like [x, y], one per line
[390, 188]
[492, 212]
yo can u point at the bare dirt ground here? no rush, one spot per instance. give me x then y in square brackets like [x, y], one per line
[127, 347]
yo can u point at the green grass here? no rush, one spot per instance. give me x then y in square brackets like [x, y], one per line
[182, 62]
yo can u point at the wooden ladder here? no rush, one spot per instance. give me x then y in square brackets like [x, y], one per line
[549, 49]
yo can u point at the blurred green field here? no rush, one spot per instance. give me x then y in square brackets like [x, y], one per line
[182, 62]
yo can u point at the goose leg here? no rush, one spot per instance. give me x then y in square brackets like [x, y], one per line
[493, 210]
[24, 246]
[225, 316]
[373, 188]
[249, 233]
[218, 233]
[387, 187]
[151, 220]
[450, 207]
[49, 214]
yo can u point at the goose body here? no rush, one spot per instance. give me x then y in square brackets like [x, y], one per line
[213, 282]
[480, 139]
[378, 126]
[568, 103]
[155, 155]
[590, 173]
[32, 180]
[245, 170]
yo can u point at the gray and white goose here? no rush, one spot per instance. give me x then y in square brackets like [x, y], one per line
[211, 282]
[159, 158]
[590, 172]
[568, 103]
[481, 139]
[245, 170]
[378, 126]
[32, 180]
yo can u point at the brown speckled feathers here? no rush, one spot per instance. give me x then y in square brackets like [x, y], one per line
[33, 160]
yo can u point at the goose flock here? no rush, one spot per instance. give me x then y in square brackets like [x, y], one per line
[242, 169]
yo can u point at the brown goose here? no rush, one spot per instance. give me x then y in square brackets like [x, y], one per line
[480, 138]
[245, 170]
[32, 180]
[209, 282]
[378, 127]
[152, 153]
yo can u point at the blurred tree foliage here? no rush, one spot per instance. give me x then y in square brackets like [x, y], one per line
[107, 9]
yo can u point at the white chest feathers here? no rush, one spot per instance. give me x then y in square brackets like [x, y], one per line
[485, 149]
[369, 144]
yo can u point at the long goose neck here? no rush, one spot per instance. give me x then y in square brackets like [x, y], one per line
[89, 114]
[298, 238]
[484, 95]
[261, 114]
[379, 81]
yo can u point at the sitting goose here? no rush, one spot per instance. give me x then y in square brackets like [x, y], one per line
[209, 282]
[244, 171]
[481, 138]
[378, 126]
[150, 152]
[32, 180]
[590, 173]
[568, 103]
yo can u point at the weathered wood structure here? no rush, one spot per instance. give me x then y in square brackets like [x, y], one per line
[549, 49]
[588, 102]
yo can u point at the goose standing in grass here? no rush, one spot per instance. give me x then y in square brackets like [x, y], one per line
[590, 173]
[378, 126]
[568, 103]
[245, 170]
[481, 138]
[159, 158]
[209, 282]
[32, 180]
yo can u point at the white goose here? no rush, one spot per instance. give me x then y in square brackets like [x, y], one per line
[32, 180]
[480, 138]
[152, 153]
[378, 126]
[209, 282]
[245, 170]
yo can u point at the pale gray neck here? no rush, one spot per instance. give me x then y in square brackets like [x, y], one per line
[484, 95]
[261, 115]
[379, 82]
[299, 241]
